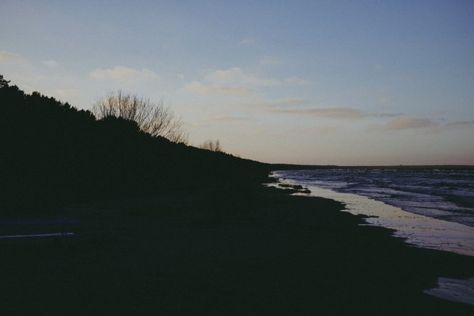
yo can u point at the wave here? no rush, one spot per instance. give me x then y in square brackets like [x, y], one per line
[424, 217]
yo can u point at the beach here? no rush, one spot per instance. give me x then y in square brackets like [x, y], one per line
[236, 158]
[214, 251]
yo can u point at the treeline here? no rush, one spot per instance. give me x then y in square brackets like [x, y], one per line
[52, 154]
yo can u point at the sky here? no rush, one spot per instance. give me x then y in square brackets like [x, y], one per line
[309, 82]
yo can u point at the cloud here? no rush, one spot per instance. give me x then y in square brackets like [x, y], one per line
[51, 63]
[247, 41]
[386, 115]
[121, 73]
[296, 106]
[227, 118]
[236, 76]
[460, 124]
[236, 81]
[206, 89]
[269, 60]
[405, 122]
[66, 93]
[9, 57]
[282, 103]
[413, 123]
[329, 112]
[231, 81]
[297, 81]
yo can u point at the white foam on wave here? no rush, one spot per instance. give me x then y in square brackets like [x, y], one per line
[454, 290]
[416, 229]
[443, 194]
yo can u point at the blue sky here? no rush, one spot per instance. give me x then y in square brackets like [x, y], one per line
[323, 82]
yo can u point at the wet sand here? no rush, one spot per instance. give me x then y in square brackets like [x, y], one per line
[224, 252]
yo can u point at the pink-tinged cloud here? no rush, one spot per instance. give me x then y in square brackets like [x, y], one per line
[460, 124]
[9, 57]
[206, 89]
[401, 123]
[336, 112]
[123, 73]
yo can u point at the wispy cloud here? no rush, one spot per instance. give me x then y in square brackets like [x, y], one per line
[329, 112]
[297, 81]
[9, 57]
[66, 93]
[221, 120]
[232, 81]
[416, 123]
[460, 124]
[405, 122]
[269, 60]
[236, 81]
[282, 103]
[227, 118]
[207, 89]
[236, 76]
[247, 41]
[304, 107]
[123, 73]
[385, 115]
[51, 63]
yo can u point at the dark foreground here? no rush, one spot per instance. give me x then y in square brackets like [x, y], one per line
[222, 252]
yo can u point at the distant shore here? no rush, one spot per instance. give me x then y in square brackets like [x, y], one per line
[223, 252]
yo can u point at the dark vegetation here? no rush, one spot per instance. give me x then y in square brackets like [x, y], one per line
[53, 154]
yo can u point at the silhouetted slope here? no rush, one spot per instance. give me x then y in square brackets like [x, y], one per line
[53, 154]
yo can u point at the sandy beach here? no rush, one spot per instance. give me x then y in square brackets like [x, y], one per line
[223, 252]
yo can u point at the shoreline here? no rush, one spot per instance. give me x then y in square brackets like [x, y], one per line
[229, 252]
[418, 230]
[415, 230]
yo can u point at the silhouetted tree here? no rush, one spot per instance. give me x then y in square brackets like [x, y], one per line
[3, 82]
[53, 154]
[152, 118]
[211, 145]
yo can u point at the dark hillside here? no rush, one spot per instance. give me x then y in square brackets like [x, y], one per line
[52, 154]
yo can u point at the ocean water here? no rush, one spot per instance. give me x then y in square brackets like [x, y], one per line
[429, 208]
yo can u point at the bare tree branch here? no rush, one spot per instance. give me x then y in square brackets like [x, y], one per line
[152, 118]
[211, 145]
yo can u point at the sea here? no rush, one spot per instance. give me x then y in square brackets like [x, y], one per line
[428, 207]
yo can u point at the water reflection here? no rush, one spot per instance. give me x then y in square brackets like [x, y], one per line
[18, 236]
